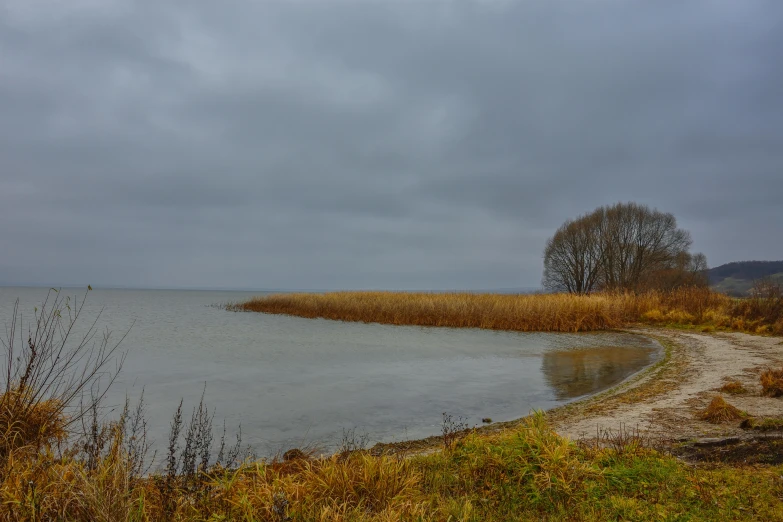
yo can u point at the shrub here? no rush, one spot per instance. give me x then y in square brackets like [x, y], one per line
[654, 316]
[26, 424]
[768, 424]
[717, 317]
[772, 382]
[47, 371]
[733, 387]
[719, 411]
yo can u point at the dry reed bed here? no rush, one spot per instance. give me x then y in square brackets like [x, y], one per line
[524, 313]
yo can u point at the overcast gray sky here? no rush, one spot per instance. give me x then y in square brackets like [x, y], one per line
[375, 144]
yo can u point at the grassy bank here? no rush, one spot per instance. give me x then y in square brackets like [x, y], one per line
[526, 474]
[539, 312]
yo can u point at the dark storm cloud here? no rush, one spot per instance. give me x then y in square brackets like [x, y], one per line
[342, 144]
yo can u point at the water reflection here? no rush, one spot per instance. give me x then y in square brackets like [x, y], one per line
[580, 371]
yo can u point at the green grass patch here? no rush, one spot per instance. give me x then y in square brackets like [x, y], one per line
[533, 474]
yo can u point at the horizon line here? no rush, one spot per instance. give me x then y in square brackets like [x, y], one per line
[260, 289]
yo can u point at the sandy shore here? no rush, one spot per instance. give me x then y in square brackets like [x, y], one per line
[665, 401]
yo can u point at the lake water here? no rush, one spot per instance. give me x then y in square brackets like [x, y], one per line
[292, 382]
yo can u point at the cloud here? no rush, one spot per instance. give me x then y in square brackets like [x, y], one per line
[340, 144]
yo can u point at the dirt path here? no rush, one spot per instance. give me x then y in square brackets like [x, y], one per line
[666, 401]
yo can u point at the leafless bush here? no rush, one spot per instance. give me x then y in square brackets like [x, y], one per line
[623, 441]
[352, 441]
[452, 429]
[194, 458]
[98, 436]
[133, 426]
[95, 436]
[198, 441]
[229, 456]
[54, 376]
[188, 456]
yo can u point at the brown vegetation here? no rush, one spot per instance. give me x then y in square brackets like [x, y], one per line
[733, 387]
[719, 411]
[765, 304]
[28, 426]
[766, 424]
[529, 473]
[524, 313]
[772, 382]
[50, 472]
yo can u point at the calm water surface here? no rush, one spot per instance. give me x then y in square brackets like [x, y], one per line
[292, 381]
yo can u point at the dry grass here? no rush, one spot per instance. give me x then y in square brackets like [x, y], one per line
[772, 382]
[529, 473]
[719, 411]
[524, 313]
[765, 424]
[733, 387]
[28, 425]
[684, 307]
[497, 312]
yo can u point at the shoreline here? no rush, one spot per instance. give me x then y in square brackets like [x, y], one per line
[525, 469]
[661, 401]
[665, 403]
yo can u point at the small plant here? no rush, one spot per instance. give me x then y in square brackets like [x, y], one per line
[623, 440]
[280, 507]
[733, 387]
[486, 420]
[452, 429]
[768, 424]
[230, 456]
[188, 467]
[294, 454]
[719, 411]
[198, 441]
[352, 441]
[772, 382]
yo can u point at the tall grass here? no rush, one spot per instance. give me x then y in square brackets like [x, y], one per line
[530, 473]
[526, 313]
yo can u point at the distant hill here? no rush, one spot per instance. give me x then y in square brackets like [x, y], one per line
[737, 278]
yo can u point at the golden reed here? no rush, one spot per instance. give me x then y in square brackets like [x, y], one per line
[523, 313]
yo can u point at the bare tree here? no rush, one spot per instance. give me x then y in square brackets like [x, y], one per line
[573, 256]
[637, 242]
[685, 270]
[626, 246]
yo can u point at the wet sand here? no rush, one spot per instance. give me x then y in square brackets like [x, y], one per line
[666, 401]
[663, 402]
